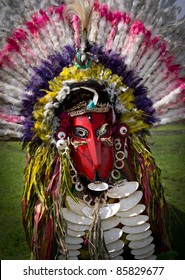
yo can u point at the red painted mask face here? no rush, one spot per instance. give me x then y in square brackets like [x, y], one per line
[92, 149]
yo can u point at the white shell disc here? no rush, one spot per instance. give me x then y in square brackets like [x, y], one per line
[124, 190]
[136, 210]
[136, 229]
[139, 236]
[142, 251]
[98, 187]
[116, 253]
[131, 201]
[140, 243]
[152, 257]
[115, 246]
[142, 257]
[73, 240]
[75, 218]
[109, 210]
[105, 212]
[73, 246]
[76, 207]
[118, 258]
[76, 227]
[88, 212]
[134, 221]
[71, 232]
[74, 253]
[110, 223]
[112, 235]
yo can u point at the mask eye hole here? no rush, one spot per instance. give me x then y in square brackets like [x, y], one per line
[80, 132]
[123, 130]
[102, 131]
[60, 135]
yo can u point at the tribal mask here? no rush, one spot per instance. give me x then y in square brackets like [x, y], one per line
[92, 146]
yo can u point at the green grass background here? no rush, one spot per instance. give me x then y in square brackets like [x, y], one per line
[168, 146]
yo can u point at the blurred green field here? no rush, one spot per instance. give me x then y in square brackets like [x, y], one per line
[168, 146]
[12, 159]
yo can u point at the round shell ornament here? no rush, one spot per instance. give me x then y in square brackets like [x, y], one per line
[112, 235]
[116, 253]
[71, 216]
[123, 190]
[71, 232]
[73, 240]
[144, 256]
[136, 229]
[109, 210]
[61, 145]
[115, 246]
[98, 187]
[105, 212]
[74, 253]
[136, 210]
[134, 221]
[131, 201]
[110, 223]
[76, 207]
[152, 257]
[142, 251]
[118, 258]
[139, 236]
[76, 227]
[140, 243]
[73, 246]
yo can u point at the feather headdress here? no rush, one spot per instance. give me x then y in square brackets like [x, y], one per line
[136, 35]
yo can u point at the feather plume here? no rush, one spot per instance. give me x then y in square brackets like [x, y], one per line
[83, 9]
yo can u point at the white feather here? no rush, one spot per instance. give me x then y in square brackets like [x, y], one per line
[10, 100]
[172, 119]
